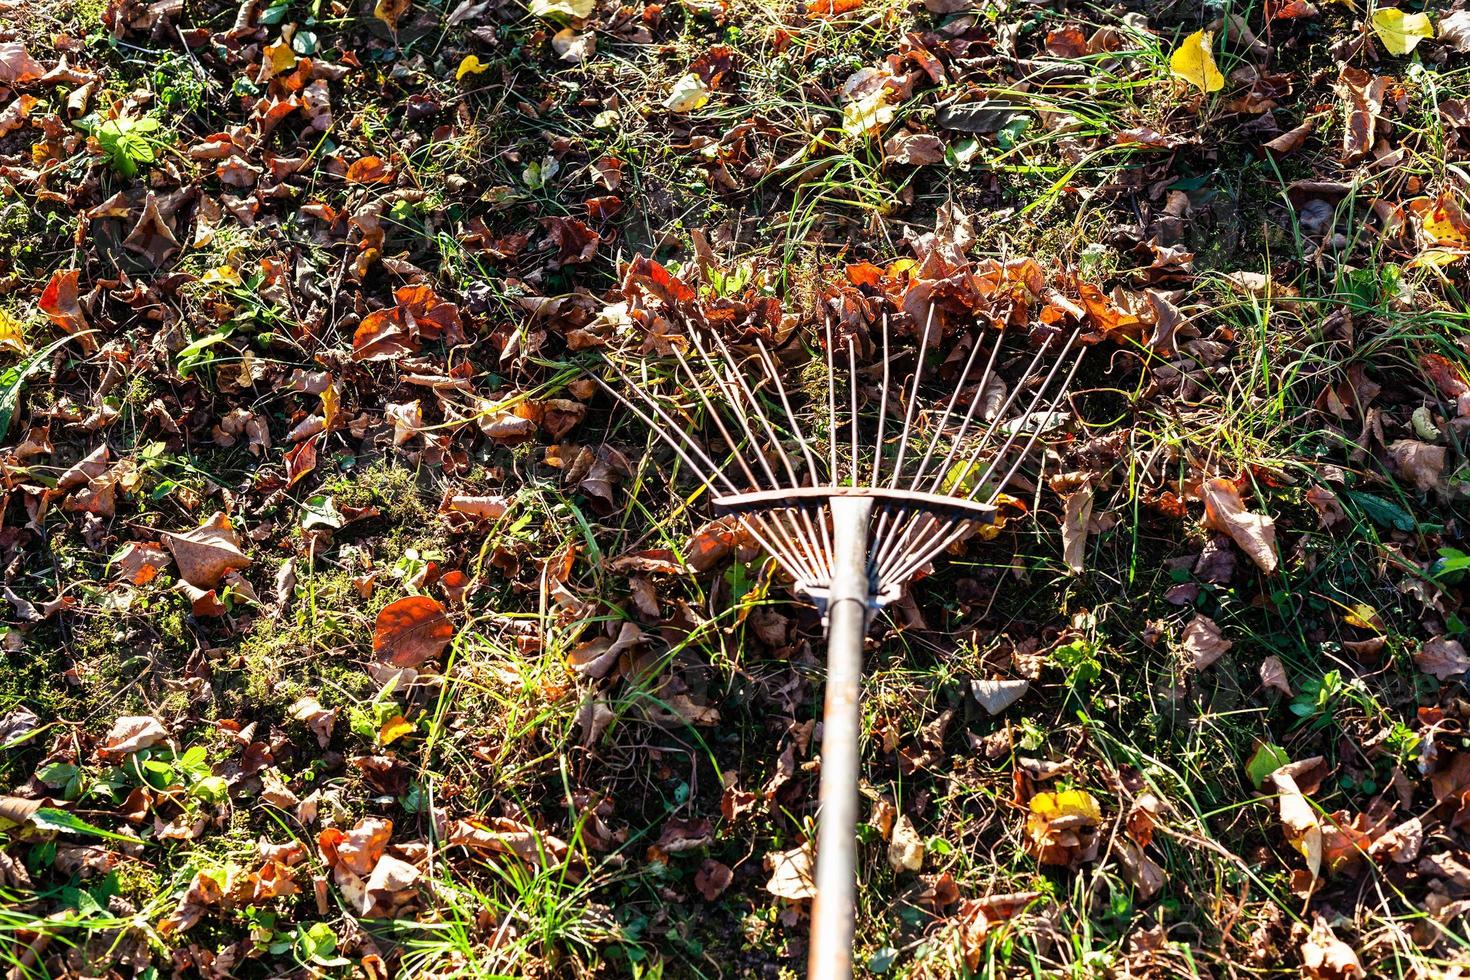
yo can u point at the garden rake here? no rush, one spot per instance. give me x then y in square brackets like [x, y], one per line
[903, 475]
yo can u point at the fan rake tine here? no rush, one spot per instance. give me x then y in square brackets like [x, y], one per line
[882, 409]
[810, 538]
[1026, 450]
[708, 471]
[852, 390]
[882, 532]
[831, 398]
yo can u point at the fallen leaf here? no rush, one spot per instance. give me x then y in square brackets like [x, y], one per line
[1194, 62]
[140, 562]
[479, 508]
[1419, 462]
[1454, 31]
[60, 301]
[1203, 643]
[1325, 957]
[1399, 31]
[816, 9]
[791, 874]
[689, 93]
[391, 12]
[318, 719]
[207, 553]
[368, 170]
[997, 696]
[1442, 658]
[573, 47]
[1273, 675]
[16, 64]
[469, 65]
[905, 847]
[412, 631]
[132, 734]
[1362, 95]
[151, 237]
[1225, 511]
[1298, 819]
[597, 657]
[1061, 828]
[1142, 871]
[576, 9]
[712, 879]
[1077, 512]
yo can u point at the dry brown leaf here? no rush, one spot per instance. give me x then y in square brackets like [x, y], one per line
[712, 879]
[1203, 643]
[320, 720]
[791, 874]
[207, 553]
[597, 657]
[132, 734]
[412, 631]
[997, 696]
[1142, 871]
[1442, 658]
[1226, 512]
[905, 847]
[1299, 819]
[479, 508]
[151, 237]
[140, 562]
[16, 64]
[1362, 95]
[1325, 957]
[1273, 675]
[1418, 462]
[1077, 514]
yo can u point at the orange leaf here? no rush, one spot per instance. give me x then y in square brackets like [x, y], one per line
[368, 170]
[412, 631]
[831, 8]
[60, 302]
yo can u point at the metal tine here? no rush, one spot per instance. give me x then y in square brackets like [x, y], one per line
[1026, 450]
[733, 366]
[897, 543]
[1031, 409]
[834, 477]
[893, 539]
[930, 533]
[852, 390]
[882, 409]
[719, 421]
[908, 414]
[881, 531]
[924, 550]
[773, 373]
[726, 389]
[709, 472]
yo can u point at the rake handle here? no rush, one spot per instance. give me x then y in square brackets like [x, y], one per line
[848, 604]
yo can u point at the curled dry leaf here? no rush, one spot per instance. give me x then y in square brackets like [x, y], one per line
[17, 67]
[412, 631]
[1362, 95]
[1076, 515]
[597, 657]
[1142, 871]
[61, 301]
[318, 719]
[1226, 512]
[997, 696]
[1298, 819]
[712, 879]
[791, 874]
[140, 562]
[905, 847]
[132, 734]
[1273, 675]
[1203, 643]
[1325, 957]
[208, 553]
[1061, 828]
[1442, 658]
[1418, 462]
[478, 508]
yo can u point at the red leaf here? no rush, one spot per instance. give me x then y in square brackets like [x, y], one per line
[300, 461]
[368, 170]
[60, 301]
[412, 631]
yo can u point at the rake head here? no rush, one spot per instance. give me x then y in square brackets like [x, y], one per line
[778, 434]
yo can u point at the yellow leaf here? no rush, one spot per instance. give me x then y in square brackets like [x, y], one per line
[12, 334]
[578, 9]
[221, 275]
[469, 66]
[689, 93]
[331, 404]
[1399, 31]
[867, 114]
[1068, 803]
[1195, 63]
[389, 11]
[395, 728]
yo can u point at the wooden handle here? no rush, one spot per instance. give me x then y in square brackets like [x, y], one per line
[834, 909]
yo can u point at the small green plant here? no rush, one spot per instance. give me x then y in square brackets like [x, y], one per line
[123, 139]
